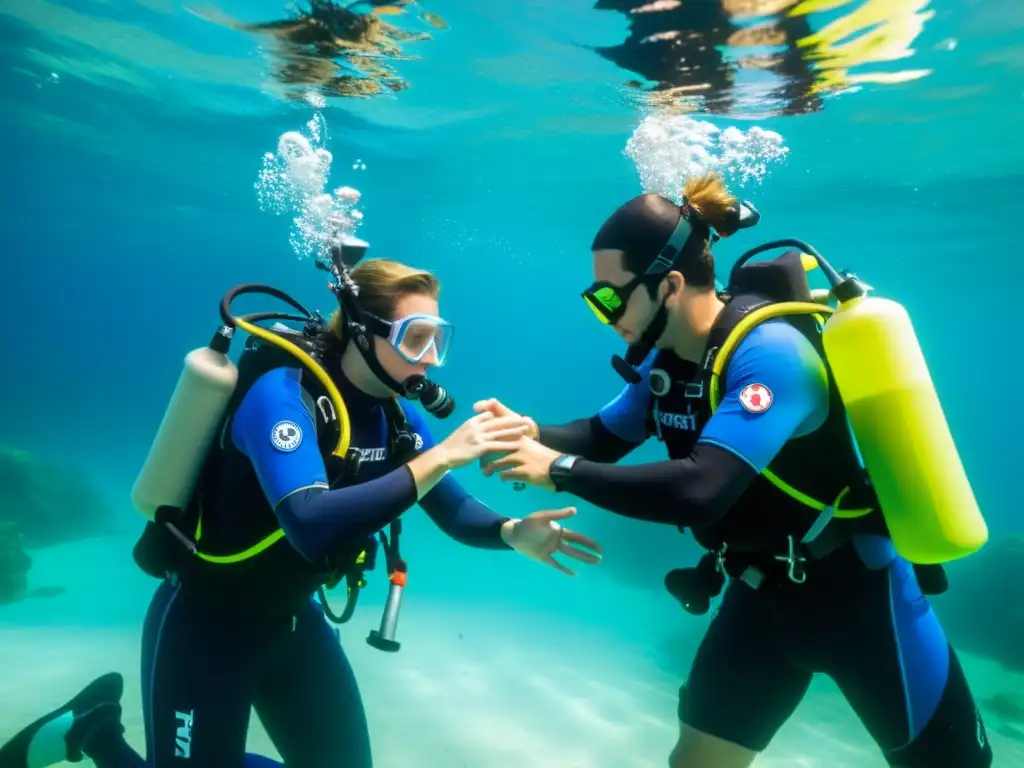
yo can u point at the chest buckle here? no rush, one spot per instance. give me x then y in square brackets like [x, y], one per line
[795, 571]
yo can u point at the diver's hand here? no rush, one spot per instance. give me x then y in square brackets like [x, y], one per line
[481, 434]
[527, 461]
[539, 536]
[499, 409]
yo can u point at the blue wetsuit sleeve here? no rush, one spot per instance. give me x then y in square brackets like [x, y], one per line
[775, 361]
[452, 508]
[777, 389]
[275, 431]
[273, 406]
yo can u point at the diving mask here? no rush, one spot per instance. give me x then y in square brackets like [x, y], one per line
[608, 302]
[414, 336]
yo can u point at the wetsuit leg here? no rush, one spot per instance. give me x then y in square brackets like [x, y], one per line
[891, 659]
[196, 684]
[741, 687]
[308, 699]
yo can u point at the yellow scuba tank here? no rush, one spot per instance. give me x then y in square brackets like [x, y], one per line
[188, 428]
[900, 429]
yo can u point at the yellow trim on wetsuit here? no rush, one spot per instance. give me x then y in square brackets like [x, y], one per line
[340, 450]
[732, 341]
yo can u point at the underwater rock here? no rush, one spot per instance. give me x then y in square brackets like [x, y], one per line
[983, 612]
[49, 503]
[14, 565]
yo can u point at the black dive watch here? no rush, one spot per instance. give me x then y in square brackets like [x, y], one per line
[560, 469]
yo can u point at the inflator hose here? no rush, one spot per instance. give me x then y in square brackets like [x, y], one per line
[352, 598]
[267, 290]
[833, 277]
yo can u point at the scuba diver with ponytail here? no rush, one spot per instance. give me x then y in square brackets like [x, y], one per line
[264, 484]
[810, 458]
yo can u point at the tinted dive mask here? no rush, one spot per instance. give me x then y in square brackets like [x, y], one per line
[608, 302]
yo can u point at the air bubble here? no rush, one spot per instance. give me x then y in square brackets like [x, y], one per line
[669, 149]
[294, 180]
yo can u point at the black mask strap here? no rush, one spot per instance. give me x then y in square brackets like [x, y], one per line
[638, 352]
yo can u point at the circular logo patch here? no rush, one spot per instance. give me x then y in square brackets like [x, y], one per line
[286, 436]
[756, 398]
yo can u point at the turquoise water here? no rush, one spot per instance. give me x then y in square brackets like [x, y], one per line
[135, 135]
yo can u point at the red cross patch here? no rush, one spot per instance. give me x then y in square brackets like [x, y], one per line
[756, 398]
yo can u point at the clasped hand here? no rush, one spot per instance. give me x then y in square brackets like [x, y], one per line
[496, 430]
[525, 460]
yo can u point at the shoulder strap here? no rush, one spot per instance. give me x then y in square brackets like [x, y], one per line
[736, 308]
[755, 286]
[723, 340]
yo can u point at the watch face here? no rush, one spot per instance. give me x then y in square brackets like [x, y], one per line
[561, 466]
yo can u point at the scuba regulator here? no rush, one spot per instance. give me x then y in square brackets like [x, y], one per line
[695, 587]
[360, 327]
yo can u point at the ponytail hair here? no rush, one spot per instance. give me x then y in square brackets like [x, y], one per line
[708, 202]
[711, 200]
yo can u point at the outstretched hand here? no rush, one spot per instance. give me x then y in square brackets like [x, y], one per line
[539, 536]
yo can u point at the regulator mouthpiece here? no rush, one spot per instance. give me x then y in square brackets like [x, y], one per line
[433, 396]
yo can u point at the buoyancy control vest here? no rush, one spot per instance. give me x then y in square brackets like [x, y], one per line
[237, 553]
[813, 497]
[788, 514]
[811, 473]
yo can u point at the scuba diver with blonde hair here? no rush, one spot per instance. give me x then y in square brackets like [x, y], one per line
[267, 482]
[809, 456]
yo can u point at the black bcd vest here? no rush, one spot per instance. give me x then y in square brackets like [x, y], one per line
[766, 521]
[820, 464]
[238, 516]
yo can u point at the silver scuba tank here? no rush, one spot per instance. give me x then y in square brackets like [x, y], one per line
[176, 456]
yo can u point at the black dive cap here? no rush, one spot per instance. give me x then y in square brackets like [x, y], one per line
[657, 235]
[644, 229]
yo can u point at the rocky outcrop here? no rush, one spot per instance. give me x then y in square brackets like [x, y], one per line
[49, 503]
[14, 565]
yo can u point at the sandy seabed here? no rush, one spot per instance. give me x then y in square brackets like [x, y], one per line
[531, 691]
